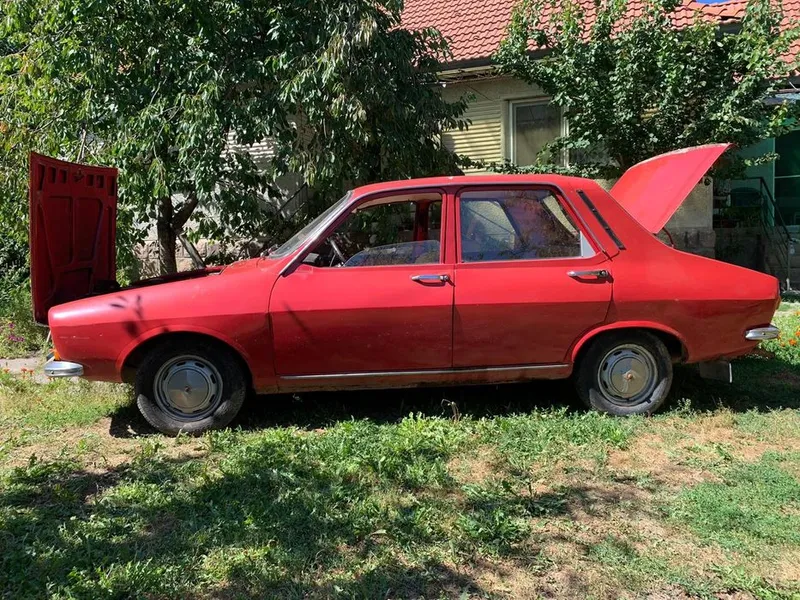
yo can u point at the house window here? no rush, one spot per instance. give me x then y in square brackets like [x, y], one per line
[533, 125]
[787, 177]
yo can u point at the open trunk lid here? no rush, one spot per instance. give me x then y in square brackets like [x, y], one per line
[73, 215]
[652, 190]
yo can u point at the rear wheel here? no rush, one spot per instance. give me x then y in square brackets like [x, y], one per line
[625, 373]
[190, 388]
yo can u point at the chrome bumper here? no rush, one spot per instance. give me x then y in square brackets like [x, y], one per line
[762, 333]
[62, 368]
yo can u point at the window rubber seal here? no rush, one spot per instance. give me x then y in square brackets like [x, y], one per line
[601, 220]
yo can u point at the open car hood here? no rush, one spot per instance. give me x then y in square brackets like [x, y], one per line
[652, 190]
[73, 214]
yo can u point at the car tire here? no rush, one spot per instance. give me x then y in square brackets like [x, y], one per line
[191, 387]
[625, 373]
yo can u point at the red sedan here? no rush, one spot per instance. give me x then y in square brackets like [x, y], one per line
[448, 280]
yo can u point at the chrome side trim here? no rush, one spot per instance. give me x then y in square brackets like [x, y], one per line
[425, 372]
[62, 368]
[762, 333]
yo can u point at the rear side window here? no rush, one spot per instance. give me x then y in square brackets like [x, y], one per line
[518, 225]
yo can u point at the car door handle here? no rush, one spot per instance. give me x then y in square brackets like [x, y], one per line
[430, 278]
[599, 274]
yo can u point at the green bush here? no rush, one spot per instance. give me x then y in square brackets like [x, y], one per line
[787, 346]
[13, 265]
[19, 335]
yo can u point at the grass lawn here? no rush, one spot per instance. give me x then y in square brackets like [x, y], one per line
[483, 492]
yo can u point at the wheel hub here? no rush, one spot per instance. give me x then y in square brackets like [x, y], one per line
[627, 374]
[188, 387]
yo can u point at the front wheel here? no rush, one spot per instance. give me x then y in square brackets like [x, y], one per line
[190, 387]
[625, 373]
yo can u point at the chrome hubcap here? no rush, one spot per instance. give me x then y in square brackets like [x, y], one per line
[188, 388]
[627, 375]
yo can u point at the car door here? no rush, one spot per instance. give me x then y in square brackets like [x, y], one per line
[375, 295]
[530, 277]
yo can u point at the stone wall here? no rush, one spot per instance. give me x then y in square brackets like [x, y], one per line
[743, 246]
[149, 259]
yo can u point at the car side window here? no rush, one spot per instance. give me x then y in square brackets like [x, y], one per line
[402, 232]
[518, 225]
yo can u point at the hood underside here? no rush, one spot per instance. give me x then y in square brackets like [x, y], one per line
[73, 214]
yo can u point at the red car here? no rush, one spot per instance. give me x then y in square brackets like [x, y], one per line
[448, 280]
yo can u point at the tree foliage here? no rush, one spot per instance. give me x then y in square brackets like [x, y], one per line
[160, 88]
[635, 86]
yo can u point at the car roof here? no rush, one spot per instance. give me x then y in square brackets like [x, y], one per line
[463, 180]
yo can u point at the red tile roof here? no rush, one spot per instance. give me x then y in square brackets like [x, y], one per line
[474, 28]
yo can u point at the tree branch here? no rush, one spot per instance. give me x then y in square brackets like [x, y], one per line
[184, 212]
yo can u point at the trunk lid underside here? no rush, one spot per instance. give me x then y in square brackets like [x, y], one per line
[652, 190]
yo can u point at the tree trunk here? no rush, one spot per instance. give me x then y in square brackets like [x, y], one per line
[166, 238]
[168, 225]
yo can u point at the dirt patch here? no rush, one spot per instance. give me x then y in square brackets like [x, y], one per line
[786, 569]
[96, 450]
[477, 468]
[647, 457]
[503, 578]
[680, 454]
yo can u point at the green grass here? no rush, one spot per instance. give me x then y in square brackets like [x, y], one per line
[26, 404]
[755, 508]
[482, 492]
[374, 503]
[19, 335]
[787, 347]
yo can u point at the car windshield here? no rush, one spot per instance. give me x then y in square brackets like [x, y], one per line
[310, 230]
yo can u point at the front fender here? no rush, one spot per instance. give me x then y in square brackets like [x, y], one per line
[165, 331]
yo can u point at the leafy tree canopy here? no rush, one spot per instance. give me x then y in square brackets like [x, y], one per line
[159, 88]
[635, 86]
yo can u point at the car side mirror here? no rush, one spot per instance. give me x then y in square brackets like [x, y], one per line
[311, 259]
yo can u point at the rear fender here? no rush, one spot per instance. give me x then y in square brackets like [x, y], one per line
[587, 337]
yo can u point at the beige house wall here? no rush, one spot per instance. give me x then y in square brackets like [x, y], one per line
[489, 110]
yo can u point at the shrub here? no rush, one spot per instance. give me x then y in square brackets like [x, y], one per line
[19, 335]
[787, 346]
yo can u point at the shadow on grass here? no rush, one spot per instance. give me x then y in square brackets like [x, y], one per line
[323, 409]
[278, 516]
[288, 516]
[760, 384]
[361, 512]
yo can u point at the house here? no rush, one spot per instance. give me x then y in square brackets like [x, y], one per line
[512, 120]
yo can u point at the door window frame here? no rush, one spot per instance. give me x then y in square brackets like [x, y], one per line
[445, 199]
[565, 203]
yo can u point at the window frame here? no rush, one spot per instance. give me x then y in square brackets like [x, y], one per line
[512, 126]
[560, 197]
[353, 206]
